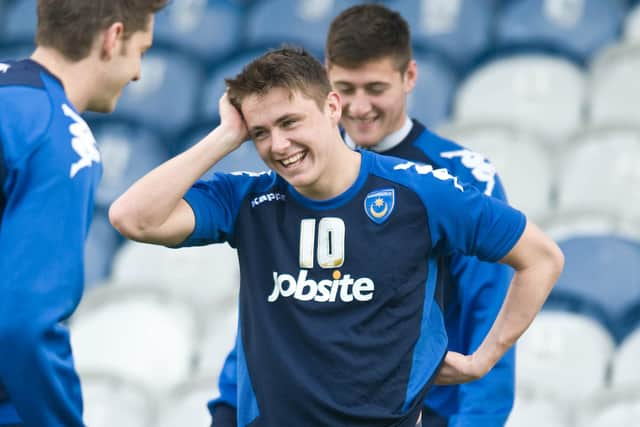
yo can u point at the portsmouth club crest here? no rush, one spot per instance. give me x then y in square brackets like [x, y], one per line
[379, 204]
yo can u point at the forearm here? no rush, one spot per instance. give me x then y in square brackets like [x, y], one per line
[526, 295]
[149, 202]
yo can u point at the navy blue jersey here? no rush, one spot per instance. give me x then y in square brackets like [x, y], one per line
[340, 301]
[475, 295]
[49, 169]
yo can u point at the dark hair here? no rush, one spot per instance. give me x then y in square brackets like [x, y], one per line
[70, 26]
[368, 32]
[288, 68]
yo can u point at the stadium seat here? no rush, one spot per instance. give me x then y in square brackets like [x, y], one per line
[244, 158]
[602, 271]
[166, 96]
[431, 98]
[100, 248]
[300, 22]
[629, 322]
[113, 400]
[538, 92]
[220, 330]
[563, 225]
[563, 357]
[214, 86]
[625, 370]
[16, 50]
[146, 335]
[207, 28]
[632, 26]
[580, 26]
[186, 404]
[128, 150]
[614, 92]
[530, 411]
[460, 28]
[619, 406]
[20, 21]
[522, 160]
[207, 276]
[598, 171]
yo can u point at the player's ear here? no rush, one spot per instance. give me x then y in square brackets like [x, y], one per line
[334, 106]
[111, 39]
[410, 76]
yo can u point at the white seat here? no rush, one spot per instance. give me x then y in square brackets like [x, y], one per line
[564, 356]
[619, 406]
[614, 89]
[218, 338]
[536, 92]
[110, 400]
[632, 26]
[206, 275]
[530, 411]
[625, 370]
[186, 404]
[524, 164]
[564, 225]
[599, 171]
[143, 334]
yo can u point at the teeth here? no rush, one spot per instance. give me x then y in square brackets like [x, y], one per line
[292, 159]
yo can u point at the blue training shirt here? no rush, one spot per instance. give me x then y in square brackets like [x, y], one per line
[341, 300]
[49, 169]
[473, 295]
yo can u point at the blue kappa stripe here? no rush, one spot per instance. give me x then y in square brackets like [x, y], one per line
[432, 342]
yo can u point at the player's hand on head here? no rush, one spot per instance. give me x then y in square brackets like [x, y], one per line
[459, 369]
[232, 120]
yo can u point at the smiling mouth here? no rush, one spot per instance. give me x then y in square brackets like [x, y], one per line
[293, 160]
[365, 120]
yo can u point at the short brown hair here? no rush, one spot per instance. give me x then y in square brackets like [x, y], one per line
[288, 68]
[70, 26]
[366, 33]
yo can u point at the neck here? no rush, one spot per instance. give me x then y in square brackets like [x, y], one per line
[72, 74]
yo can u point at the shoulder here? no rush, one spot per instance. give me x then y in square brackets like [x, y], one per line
[470, 166]
[421, 178]
[26, 108]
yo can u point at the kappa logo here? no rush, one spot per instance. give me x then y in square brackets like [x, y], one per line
[83, 142]
[4, 67]
[481, 168]
[379, 204]
[269, 197]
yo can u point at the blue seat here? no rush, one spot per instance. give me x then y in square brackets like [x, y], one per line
[432, 97]
[20, 21]
[102, 244]
[207, 28]
[461, 29]
[582, 27]
[166, 96]
[16, 51]
[302, 22]
[600, 271]
[244, 158]
[129, 150]
[214, 86]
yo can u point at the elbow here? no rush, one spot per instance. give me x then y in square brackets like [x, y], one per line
[125, 221]
[554, 259]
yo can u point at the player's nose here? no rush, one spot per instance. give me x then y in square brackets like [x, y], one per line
[359, 105]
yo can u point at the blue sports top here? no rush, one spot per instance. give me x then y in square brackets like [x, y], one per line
[49, 169]
[341, 300]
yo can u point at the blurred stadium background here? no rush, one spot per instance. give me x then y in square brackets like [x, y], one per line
[547, 89]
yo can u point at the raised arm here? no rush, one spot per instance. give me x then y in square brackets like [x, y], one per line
[152, 210]
[538, 262]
